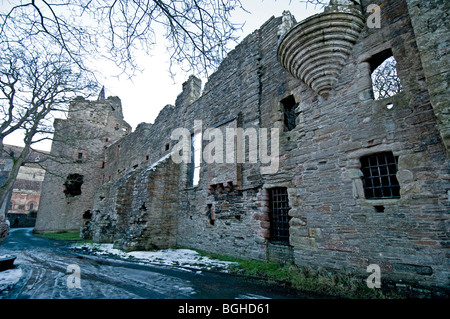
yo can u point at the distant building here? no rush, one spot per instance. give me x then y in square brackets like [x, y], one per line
[26, 193]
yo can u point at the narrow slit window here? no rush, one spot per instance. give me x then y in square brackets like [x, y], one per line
[379, 176]
[279, 216]
[289, 116]
[194, 166]
[80, 158]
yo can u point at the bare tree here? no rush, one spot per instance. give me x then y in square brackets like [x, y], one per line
[198, 31]
[46, 45]
[320, 3]
[34, 85]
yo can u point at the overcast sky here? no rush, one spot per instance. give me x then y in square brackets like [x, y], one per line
[149, 91]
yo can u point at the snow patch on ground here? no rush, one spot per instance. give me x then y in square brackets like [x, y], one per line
[169, 257]
[9, 278]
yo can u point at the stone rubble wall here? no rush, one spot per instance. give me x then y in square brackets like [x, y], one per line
[137, 211]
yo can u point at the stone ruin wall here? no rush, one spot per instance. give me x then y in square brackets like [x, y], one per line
[90, 127]
[226, 100]
[332, 224]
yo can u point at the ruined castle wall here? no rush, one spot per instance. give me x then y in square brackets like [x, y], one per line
[333, 225]
[78, 148]
[219, 216]
[138, 210]
[230, 99]
[432, 29]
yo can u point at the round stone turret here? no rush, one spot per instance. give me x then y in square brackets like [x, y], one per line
[315, 50]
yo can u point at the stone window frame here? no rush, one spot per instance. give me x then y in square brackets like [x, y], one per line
[389, 187]
[263, 215]
[353, 172]
[279, 223]
[367, 63]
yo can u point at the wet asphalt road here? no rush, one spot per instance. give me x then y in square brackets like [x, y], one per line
[44, 264]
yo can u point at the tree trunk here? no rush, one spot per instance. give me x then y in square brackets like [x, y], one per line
[6, 189]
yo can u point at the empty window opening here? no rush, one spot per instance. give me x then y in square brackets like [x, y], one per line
[73, 185]
[87, 214]
[385, 81]
[194, 167]
[211, 215]
[147, 157]
[289, 115]
[166, 147]
[143, 207]
[279, 215]
[31, 206]
[80, 158]
[379, 208]
[379, 176]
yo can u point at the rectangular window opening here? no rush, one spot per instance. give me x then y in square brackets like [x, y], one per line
[379, 176]
[79, 158]
[279, 215]
[385, 80]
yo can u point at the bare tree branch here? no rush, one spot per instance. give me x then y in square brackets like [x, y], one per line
[198, 31]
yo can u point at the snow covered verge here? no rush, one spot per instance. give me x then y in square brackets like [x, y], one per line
[168, 257]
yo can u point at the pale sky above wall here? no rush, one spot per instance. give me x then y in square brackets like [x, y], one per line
[153, 88]
[150, 91]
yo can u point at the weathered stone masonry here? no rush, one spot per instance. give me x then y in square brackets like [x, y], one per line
[146, 200]
[78, 147]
